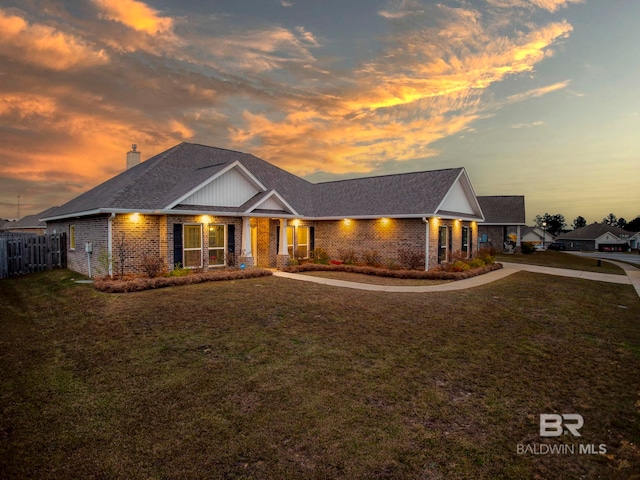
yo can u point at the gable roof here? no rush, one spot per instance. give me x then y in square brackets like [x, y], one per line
[177, 177]
[503, 209]
[593, 231]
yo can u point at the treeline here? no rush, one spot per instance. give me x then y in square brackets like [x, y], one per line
[556, 224]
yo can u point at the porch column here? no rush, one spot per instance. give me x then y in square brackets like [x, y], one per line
[246, 242]
[426, 248]
[283, 251]
[518, 242]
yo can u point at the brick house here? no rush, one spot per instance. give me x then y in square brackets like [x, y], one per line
[204, 207]
[599, 237]
[503, 223]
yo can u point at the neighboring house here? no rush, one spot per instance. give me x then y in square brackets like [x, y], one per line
[599, 237]
[504, 221]
[205, 207]
[536, 236]
[29, 224]
[3, 223]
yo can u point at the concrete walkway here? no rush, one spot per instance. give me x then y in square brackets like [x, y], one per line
[632, 278]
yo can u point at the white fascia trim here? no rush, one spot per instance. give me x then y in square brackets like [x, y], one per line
[243, 170]
[466, 184]
[272, 193]
[465, 218]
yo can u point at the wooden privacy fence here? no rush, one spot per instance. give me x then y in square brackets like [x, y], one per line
[20, 254]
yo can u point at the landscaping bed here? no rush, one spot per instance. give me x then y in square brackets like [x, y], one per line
[384, 272]
[137, 284]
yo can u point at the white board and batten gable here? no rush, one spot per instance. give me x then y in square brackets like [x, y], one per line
[460, 201]
[273, 201]
[231, 187]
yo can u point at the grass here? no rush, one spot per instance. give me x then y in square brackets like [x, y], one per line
[551, 258]
[273, 378]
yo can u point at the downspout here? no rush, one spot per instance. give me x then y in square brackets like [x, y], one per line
[110, 242]
[426, 246]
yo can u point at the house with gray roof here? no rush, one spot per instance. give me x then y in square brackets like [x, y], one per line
[503, 223]
[203, 207]
[599, 237]
[29, 224]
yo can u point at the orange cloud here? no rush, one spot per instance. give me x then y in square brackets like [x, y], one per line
[136, 15]
[44, 46]
[550, 5]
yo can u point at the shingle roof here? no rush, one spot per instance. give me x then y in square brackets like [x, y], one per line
[503, 210]
[30, 221]
[163, 179]
[593, 231]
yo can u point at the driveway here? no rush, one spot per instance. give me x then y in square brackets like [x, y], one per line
[620, 257]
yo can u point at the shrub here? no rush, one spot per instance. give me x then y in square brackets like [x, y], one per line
[411, 259]
[348, 256]
[528, 248]
[152, 265]
[476, 263]
[371, 258]
[320, 255]
[178, 271]
[486, 255]
[459, 266]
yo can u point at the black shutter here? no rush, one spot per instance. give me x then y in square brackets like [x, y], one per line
[231, 238]
[177, 243]
[312, 238]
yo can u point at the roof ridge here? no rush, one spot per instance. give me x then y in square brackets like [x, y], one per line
[389, 175]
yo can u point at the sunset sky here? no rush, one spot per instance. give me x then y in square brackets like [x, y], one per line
[534, 97]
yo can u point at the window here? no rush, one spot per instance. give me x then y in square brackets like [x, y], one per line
[465, 240]
[72, 237]
[302, 250]
[442, 244]
[216, 245]
[290, 235]
[192, 246]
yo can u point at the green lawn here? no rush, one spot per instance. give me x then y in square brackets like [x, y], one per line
[551, 258]
[271, 378]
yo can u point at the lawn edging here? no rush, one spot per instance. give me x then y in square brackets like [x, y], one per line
[139, 284]
[383, 272]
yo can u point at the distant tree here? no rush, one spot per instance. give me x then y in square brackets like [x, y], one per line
[554, 223]
[633, 225]
[610, 219]
[579, 222]
[621, 223]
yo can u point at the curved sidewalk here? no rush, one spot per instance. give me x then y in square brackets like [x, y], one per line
[508, 269]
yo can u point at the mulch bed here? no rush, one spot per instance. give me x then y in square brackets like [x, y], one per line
[138, 284]
[383, 272]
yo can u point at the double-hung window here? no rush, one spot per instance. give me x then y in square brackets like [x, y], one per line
[192, 246]
[465, 240]
[302, 250]
[216, 245]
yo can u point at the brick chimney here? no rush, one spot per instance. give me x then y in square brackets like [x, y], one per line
[133, 157]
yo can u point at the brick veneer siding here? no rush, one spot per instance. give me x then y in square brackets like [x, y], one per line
[387, 237]
[495, 236]
[87, 230]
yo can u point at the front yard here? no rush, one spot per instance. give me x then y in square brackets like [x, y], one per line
[272, 378]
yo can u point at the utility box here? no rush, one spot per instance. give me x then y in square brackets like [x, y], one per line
[88, 247]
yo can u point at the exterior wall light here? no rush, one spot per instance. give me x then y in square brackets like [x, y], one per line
[134, 217]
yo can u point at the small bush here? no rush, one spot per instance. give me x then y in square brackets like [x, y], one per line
[348, 256]
[371, 258]
[178, 271]
[528, 248]
[320, 255]
[487, 255]
[152, 265]
[476, 263]
[459, 266]
[411, 259]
